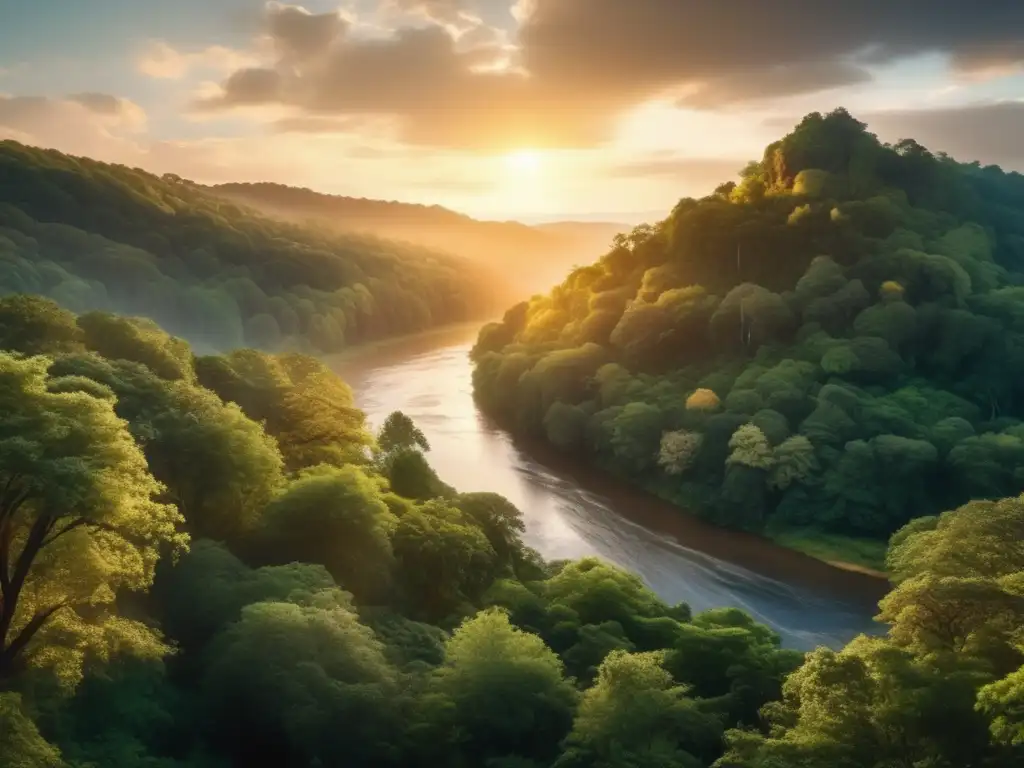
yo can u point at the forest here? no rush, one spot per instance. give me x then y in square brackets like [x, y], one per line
[530, 258]
[823, 353]
[210, 560]
[95, 236]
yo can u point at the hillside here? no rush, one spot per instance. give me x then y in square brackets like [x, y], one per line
[823, 352]
[532, 257]
[99, 236]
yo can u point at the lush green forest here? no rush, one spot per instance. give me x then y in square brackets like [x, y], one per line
[530, 258]
[95, 236]
[824, 351]
[211, 561]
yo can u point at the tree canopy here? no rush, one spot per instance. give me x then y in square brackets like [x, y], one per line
[822, 352]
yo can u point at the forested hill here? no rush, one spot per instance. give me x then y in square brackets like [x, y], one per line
[98, 236]
[532, 258]
[828, 349]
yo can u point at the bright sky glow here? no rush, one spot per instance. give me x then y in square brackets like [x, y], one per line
[474, 105]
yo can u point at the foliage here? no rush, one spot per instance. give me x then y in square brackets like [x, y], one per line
[836, 344]
[357, 611]
[79, 521]
[94, 236]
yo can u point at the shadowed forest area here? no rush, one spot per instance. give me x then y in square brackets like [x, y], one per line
[95, 236]
[823, 352]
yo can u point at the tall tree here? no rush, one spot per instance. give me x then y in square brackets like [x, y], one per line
[78, 522]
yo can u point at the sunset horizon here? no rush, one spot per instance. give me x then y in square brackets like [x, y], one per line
[425, 101]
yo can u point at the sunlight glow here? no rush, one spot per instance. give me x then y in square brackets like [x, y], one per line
[523, 161]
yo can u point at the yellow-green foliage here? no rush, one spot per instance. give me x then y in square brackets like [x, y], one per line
[70, 469]
[811, 182]
[749, 448]
[678, 450]
[891, 290]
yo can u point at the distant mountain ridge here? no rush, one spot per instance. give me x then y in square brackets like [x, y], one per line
[534, 257]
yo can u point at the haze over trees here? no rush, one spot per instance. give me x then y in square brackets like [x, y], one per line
[824, 352]
[94, 236]
[530, 258]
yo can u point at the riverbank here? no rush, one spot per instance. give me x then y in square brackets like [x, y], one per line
[858, 555]
[572, 509]
[863, 557]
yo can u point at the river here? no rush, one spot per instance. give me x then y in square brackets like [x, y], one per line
[572, 511]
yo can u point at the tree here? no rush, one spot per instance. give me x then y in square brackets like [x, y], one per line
[302, 403]
[635, 433]
[1003, 703]
[793, 460]
[23, 745]
[208, 587]
[302, 681]
[636, 715]
[444, 561]
[78, 523]
[870, 704]
[399, 431]
[333, 517]
[750, 448]
[411, 476]
[702, 400]
[565, 425]
[33, 325]
[679, 450]
[499, 519]
[139, 340]
[500, 693]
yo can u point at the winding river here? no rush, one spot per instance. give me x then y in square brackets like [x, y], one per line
[573, 511]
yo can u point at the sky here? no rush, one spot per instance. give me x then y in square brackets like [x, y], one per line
[501, 109]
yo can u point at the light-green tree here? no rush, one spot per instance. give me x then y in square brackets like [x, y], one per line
[78, 523]
[500, 693]
[637, 716]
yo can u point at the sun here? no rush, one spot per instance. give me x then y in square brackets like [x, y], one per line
[523, 162]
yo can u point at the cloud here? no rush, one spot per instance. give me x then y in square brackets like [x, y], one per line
[666, 166]
[114, 111]
[300, 35]
[104, 127]
[772, 83]
[988, 133]
[162, 61]
[312, 124]
[420, 78]
[84, 123]
[579, 64]
[451, 12]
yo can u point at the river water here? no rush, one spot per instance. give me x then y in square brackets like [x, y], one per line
[573, 511]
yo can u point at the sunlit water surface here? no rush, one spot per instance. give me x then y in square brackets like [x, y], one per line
[571, 511]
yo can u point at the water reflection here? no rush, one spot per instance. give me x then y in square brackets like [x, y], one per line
[569, 514]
